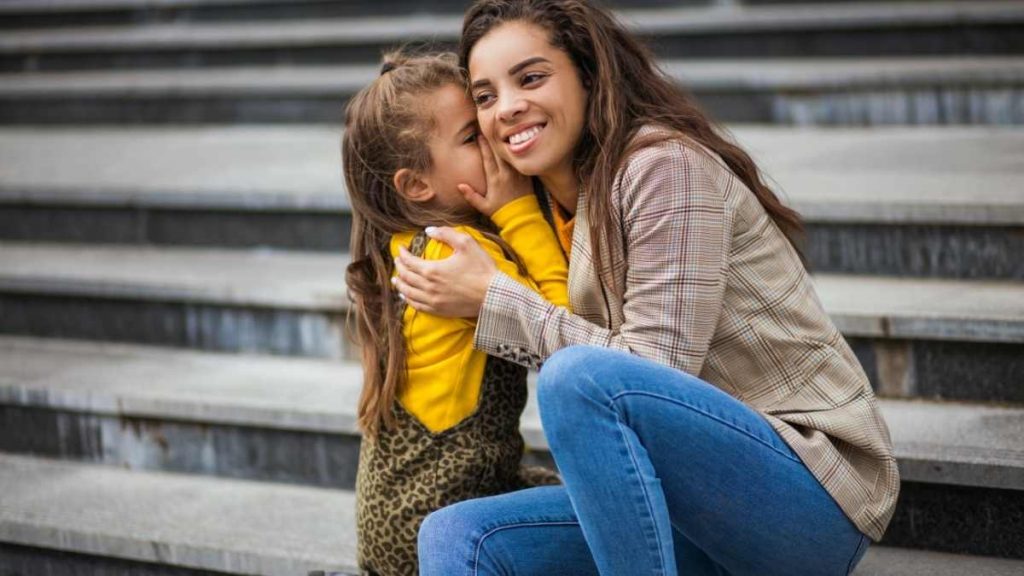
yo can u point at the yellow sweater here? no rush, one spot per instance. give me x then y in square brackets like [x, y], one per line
[444, 371]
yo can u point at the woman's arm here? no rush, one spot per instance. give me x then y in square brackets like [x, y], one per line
[677, 232]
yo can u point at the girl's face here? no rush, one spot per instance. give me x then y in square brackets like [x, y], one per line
[454, 153]
[529, 98]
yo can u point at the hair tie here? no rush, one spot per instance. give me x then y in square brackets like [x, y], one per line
[387, 67]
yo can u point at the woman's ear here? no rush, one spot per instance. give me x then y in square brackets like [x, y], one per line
[412, 186]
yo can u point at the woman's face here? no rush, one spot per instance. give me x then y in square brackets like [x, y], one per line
[529, 99]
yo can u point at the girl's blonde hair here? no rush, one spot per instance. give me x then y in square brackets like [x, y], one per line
[387, 128]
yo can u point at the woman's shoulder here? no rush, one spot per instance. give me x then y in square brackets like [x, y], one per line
[657, 144]
[659, 156]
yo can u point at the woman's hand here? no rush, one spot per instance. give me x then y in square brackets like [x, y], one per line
[453, 287]
[504, 183]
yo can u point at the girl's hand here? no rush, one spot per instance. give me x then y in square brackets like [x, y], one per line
[454, 287]
[504, 183]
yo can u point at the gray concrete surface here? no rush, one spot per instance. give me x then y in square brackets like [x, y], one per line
[936, 442]
[233, 526]
[242, 527]
[859, 305]
[825, 74]
[950, 175]
[265, 278]
[446, 27]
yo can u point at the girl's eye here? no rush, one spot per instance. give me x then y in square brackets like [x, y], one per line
[482, 99]
[470, 138]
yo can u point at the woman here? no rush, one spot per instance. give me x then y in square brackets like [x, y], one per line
[706, 415]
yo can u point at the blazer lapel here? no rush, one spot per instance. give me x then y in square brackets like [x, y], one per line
[585, 294]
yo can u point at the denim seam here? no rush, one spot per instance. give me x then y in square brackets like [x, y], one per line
[479, 545]
[647, 498]
[709, 415]
[856, 551]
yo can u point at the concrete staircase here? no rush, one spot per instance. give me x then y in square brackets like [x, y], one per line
[177, 395]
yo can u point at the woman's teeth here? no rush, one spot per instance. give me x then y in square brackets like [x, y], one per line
[525, 135]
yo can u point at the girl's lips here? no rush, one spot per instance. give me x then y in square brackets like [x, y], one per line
[524, 147]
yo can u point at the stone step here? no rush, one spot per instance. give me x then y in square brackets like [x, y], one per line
[128, 405]
[948, 198]
[259, 300]
[57, 13]
[821, 91]
[916, 337]
[286, 420]
[66, 516]
[58, 516]
[866, 29]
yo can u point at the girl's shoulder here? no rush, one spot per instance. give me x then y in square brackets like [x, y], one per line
[437, 250]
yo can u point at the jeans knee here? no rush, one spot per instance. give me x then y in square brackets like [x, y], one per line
[443, 534]
[567, 364]
[570, 370]
[569, 378]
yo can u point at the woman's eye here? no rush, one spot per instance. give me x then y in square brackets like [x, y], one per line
[532, 77]
[470, 138]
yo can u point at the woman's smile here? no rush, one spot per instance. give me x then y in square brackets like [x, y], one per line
[522, 139]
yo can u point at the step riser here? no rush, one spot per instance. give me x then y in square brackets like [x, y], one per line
[937, 369]
[952, 39]
[938, 251]
[890, 105]
[212, 449]
[978, 521]
[32, 560]
[273, 455]
[150, 13]
[935, 251]
[321, 231]
[183, 325]
[982, 521]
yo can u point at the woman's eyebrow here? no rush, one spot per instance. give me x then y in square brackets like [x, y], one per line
[511, 71]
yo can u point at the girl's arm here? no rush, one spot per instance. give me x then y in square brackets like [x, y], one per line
[523, 226]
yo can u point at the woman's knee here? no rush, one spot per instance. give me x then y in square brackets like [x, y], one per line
[567, 368]
[446, 535]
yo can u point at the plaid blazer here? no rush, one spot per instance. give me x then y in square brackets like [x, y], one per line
[701, 279]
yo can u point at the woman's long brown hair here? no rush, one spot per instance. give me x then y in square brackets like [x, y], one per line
[626, 91]
[387, 127]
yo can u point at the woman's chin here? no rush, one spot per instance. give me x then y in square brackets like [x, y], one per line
[527, 166]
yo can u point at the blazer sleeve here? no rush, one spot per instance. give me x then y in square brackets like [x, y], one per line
[677, 232]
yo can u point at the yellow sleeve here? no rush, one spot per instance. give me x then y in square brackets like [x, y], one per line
[523, 226]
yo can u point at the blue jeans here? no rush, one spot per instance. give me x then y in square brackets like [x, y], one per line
[664, 474]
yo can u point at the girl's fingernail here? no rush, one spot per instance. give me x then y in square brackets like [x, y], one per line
[394, 280]
[401, 296]
[430, 230]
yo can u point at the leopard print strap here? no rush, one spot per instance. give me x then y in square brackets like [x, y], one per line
[417, 246]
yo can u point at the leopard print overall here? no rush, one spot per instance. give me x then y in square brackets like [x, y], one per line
[408, 472]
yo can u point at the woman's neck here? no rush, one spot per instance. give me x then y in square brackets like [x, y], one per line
[564, 188]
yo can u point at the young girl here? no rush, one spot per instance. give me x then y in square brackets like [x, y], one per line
[440, 420]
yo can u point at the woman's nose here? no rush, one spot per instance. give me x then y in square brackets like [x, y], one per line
[510, 108]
